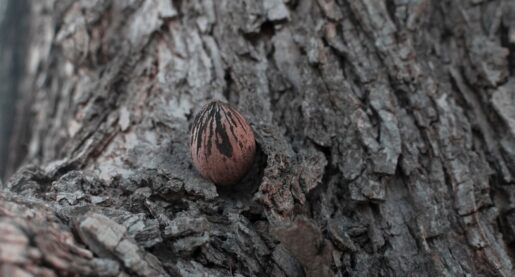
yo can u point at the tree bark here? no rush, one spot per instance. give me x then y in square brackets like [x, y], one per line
[385, 132]
[13, 22]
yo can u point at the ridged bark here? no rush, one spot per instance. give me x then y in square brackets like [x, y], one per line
[385, 132]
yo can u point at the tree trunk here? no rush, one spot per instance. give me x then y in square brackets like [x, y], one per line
[13, 22]
[385, 132]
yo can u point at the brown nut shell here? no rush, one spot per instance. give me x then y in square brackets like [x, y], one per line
[222, 144]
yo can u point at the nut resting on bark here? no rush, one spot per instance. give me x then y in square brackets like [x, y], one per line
[222, 144]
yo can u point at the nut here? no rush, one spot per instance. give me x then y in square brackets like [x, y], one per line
[222, 144]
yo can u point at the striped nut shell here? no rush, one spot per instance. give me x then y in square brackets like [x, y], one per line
[222, 144]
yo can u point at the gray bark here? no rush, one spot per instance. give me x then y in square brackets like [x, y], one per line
[386, 134]
[13, 22]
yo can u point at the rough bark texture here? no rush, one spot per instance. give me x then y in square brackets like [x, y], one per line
[386, 133]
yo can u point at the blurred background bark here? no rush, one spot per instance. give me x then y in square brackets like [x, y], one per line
[13, 39]
[386, 134]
